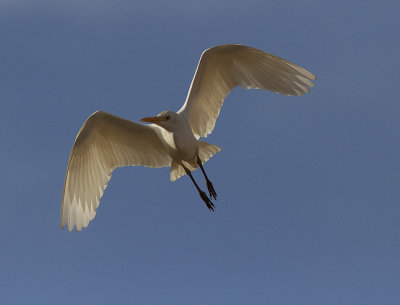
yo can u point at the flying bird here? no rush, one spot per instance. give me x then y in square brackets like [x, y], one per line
[106, 142]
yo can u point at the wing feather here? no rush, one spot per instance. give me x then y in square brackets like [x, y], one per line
[104, 143]
[224, 67]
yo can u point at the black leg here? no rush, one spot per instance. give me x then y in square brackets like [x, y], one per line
[210, 187]
[203, 195]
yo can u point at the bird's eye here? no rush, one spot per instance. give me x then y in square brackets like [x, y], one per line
[167, 117]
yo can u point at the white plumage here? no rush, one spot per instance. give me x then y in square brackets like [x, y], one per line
[106, 142]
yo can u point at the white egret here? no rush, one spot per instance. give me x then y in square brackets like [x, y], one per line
[106, 142]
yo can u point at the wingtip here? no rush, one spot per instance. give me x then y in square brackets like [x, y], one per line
[62, 226]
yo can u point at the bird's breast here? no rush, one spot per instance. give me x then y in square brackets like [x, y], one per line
[187, 147]
[181, 145]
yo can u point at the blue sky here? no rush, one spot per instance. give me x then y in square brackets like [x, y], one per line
[309, 196]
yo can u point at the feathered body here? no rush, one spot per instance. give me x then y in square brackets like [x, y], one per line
[106, 142]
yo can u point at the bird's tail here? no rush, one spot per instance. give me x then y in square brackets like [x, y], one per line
[206, 151]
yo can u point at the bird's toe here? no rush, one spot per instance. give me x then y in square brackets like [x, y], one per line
[211, 190]
[207, 201]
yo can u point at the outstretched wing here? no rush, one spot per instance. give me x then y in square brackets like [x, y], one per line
[225, 67]
[104, 143]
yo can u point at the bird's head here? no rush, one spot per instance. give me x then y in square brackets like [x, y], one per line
[166, 119]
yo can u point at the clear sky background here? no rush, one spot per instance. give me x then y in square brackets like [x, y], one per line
[309, 187]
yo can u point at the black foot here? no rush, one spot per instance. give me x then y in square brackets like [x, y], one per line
[211, 190]
[207, 201]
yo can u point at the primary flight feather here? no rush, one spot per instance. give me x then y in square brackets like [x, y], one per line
[106, 142]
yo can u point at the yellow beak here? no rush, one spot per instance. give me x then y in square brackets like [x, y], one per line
[152, 119]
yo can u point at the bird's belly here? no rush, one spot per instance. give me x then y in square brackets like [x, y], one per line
[186, 152]
[181, 148]
[184, 149]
